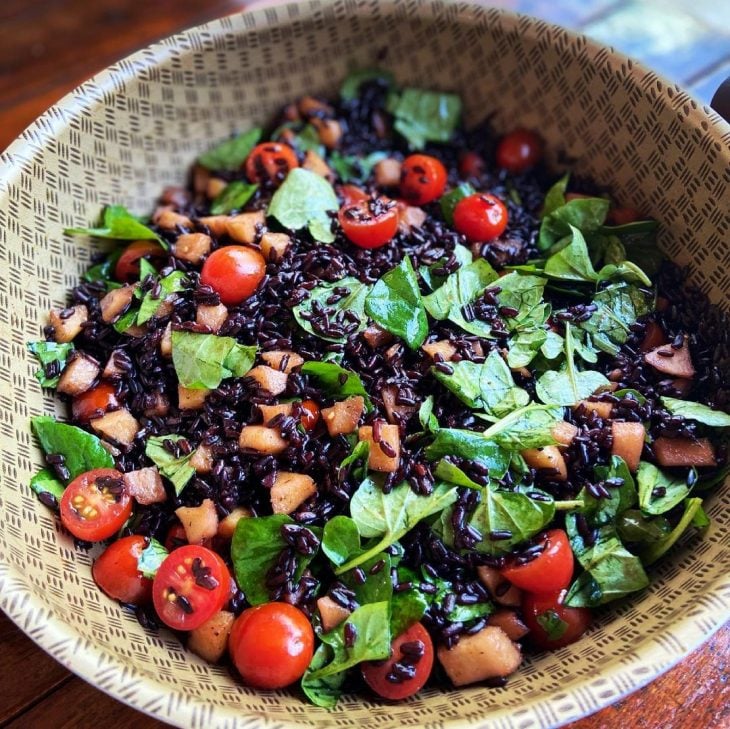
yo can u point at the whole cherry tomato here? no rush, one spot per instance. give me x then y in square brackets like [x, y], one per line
[310, 414]
[480, 217]
[519, 150]
[422, 179]
[117, 574]
[270, 162]
[94, 402]
[553, 624]
[471, 165]
[550, 571]
[369, 223]
[126, 268]
[234, 272]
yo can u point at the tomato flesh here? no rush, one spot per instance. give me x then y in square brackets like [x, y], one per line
[310, 414]
[270, 163]
[411, 654]
[94, 402]
[350, 194]
[422, 179]
[95, 505]
[271, 645]
[127, 266]
[550, 571]
[553, 624]
[519, 150]
[191, 585]
[480, 217]
[234, 272]
[116, 571]
[369, 223]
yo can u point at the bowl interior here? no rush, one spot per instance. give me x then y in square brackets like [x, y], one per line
[136, 127]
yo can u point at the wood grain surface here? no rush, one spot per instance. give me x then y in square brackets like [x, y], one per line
[50, 46]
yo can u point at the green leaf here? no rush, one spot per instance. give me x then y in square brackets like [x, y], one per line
[697, 411]
[118, 224]
[351, 168]
[304, 200]
[692, 512]
[449, 201]
[555, 197]
[462, 255]
[48, 352]
[169, 285]
[524, 346]
[232, 153]
[378, 585]
[426, 417]
[639, 243]
[45, 482]
[326, 691]
[340, 539]
[335, 381]
[585, 214]
[360, 452]
[233, 197]
[606, 511]
[553, 625]
[528, 427]
[395, 304]
[673, 490]
[204, 360]
[571, 262]
[444, 588]
[634, 527]
[350, 88]
[150, 559]
[624, 271]
[82, 451]
[425, 116]
[470, 445]
[523, 292]
[406, 609]
[177, 470]
[553, 345]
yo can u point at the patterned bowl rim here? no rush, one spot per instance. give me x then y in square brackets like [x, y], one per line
[648, 660]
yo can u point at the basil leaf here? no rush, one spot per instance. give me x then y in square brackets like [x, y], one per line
[669, 491]
[426, 417]
[322, 296]
[177, 469]
[697, 411]
[470, 445]
[45, 482]
[585, 214]
[572, 262]
[606, 511]
[350, 168]
[118, 224]
[48, 352]
[351, 85]
[204, 360]
[693, 512]
[433, 280]
[232, 153]
[150, 559]
[82, 451]
[553, 625]
[425, 116]
[395, 304]
[233, 197]
[378, 585]
[304, 200]
[169, 285]
[528, 427]
[336, 381]
[449, 201]
[340, 539]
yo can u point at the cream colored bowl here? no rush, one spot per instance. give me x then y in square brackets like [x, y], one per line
[137, 126]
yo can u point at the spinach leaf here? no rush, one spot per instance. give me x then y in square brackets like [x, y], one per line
[434, 280]
[204, 360]
[360, 452]
[457, 613]
[48, 352]
[340, 539]
[150, 559]
[350, 168]
[169, 285]
[606, 511]
[449, 201]
[633, 526]
[692, 514]
[233, 197]
[426, 417]
[528, 427]
[119, 224]
[585, 214]
[230, 154]
[336, 381]
[351, 85]
[45, 482]
[177, 469]
[572, 262]
[395, 304]
[387, 517]
[326, 691]
[553, 345]
[524, 293]
[658, 492]
[331, 297]
[451, 473]
[697, 411]
[424, 116]
[304, 200]
[638, 240]
[406, 609]
[555, 196]
[470, 445]
[378, 585]
[82, 451]
[525, 344]
[624, 271]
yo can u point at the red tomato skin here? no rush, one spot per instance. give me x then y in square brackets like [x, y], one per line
[480, 217]
[101, 398]
[578, 619]
[622, 216]
[310, 414]
[422, 180]
[234, 272]
[549, 572]
[204, 602]
[110, 511]
[375, 673]
[351, 194]
[116, 573]
[519, 150]
[270, 162]
[471, 165]
[366, 229]
[126, 268]
[271, 645]
[175, 537]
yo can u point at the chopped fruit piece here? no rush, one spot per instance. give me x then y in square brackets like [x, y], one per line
[190, 399]
[202, 459]
[199, 522]
[79, 375]
[602, 409]
[227, 525]
[342, 418]
[548, 460]
[385, 450]
[672, 361]
[192, 247]
[314, 163]
[282, 360]
[564, 432]
[216, 224]
[684, 452]
[244, 228]
[441, 350]
[387, 172]
[331, 613]
[653, 338]
[168, 219]
[210, 640]
[510, 623]
[166, 342]
[410, 217]
[269, 412]
[211, 317]
[501, 590]
[396, 412]
[145, 486]
[290, 490]
[119, 426]
[329, 131]
[628, 442]
[116, 302]
[274, 246]
[269, 379]
[262, 439]
[376, 337]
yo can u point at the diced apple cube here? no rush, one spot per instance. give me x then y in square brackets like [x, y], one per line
[215, 187]
[191, 399]
[410, 217]
[282, 359]
[274, 245]
[601, 409]
[653, 338]
[200, 522]
[376, 337]
[564, 432]
[314, 163]
[79, 375]
[671, 452]
[501, 590]
[228, 524]
[385, 453]
[342, 418]
[269, 379]
[387, 172]
[262, 439]
[331, 613]
[210, 639]
[244, 228]
[67, 323]
[202, 459]
[216, 224]
[396, 413]
[269, 412]
[168, 219]
[674, 362]
[290, 490]
[112, 369]
[328, 130]
[547, 457]
[145, 485]
[211, 317]
[628, 442]
[166, 341]
[510, 623]
[119, 426]
[116, 302]
[192, 247]
[442, 349]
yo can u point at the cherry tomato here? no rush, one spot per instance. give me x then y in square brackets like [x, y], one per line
[550, 571]
[480, 217]
[191, 585]
[519, 150]
[271, 645]
[552, 624]
[234, 272]
[471, 165]
[422, 179]
[94, 402]
[369, 223]
[116, 571]
[270, 162]
[416, 640]
[95, 505]
[622, 216]
[176, 537]
[351, 194]
[127, 266]
[310, 414]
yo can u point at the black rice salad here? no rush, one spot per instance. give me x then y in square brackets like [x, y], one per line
[374, 390]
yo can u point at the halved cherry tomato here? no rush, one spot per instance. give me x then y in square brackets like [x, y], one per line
[519, 150]
[234, 272]
[116, 571]
[95, 504]
[271, 645]
[422, 179]
[471, 165]
[404, 650]
[480, 217]
[127, 266]
[310, 414]
[369, 223]
[94, 402]
[350, 194]
[176, 537]
[550, 571]
[191, 585]
[270, 162]
[553, 624]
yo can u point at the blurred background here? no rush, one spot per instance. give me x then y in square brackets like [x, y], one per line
[50, 46]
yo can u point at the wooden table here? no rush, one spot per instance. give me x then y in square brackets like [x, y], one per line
[48, 47]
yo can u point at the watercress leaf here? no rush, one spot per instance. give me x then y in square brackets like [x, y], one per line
[351, 85]
[449, 201]
[119, 224]
[304, 200]
[584, 214]
[48, 352]
[336, 381]
[325, 691]
[169, 285]
[434, 280]
[425, 116]
[46, 482]
[634, 527]
[82, 451]
[470, 445]
[177, 469]
[340, 539]
[232, 153]
[150, 559]
[233, 197]
[553, 625]
[528, 427]
[697, 411]
[572, 262]
[378, 585]
[692, 510]
[555, 197]
[395, 304]
[426, 417]
[670, 490]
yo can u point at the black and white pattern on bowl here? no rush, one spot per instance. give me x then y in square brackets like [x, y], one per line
[136, 127]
